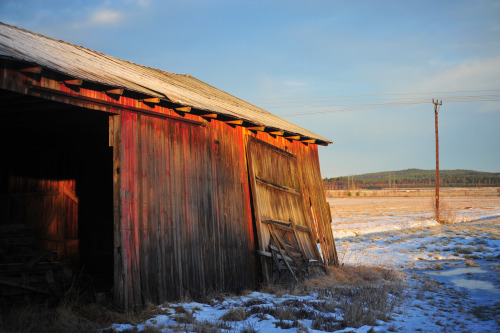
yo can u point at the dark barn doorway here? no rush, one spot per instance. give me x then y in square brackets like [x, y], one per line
[56, 179]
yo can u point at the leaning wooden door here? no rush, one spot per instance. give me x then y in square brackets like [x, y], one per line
[286, 244]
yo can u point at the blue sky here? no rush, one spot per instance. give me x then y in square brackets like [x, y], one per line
[319, 64]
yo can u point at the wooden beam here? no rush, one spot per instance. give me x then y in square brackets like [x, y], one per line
[234, 122]
[69, 194]
[270, 255]
[279, 224]
[293, 137]
[278, 187]
[32, 70]
[276, 239]
[322, 143]
[74, 82]
[308, 140]
[152, 100]
[23, 286]
[257, 128]
[209, 115]
[118, 91]
[114, 105]
[280, 133]
[183, 109]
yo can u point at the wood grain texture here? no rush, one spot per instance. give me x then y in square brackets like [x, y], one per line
[187, 209]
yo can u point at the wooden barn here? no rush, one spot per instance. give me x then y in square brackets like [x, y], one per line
[157, 183]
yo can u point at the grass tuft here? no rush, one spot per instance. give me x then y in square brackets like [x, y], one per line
[235, 314]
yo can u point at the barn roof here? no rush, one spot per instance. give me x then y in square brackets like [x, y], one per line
[93, 66]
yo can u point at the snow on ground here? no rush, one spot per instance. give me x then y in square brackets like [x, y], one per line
[454, 269]
[452, 274]
[355, 216]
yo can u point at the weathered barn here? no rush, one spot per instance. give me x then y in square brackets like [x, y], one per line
[158, 182]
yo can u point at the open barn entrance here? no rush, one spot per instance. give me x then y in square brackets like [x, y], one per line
[56, 182]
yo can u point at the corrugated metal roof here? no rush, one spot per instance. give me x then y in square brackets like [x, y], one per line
[89, 65]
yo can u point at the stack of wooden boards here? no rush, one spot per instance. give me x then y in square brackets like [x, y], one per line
[27, 273]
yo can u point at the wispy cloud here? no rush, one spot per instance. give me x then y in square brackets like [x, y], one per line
[106, 17]
[276, 86]
[295, 83]
[468, 75]
[489, 108]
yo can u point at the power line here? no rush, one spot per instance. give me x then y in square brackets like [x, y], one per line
[361, 107]
[418, 99]
[374, 95]
[331, 104]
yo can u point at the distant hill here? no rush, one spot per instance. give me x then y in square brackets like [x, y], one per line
[414, 178]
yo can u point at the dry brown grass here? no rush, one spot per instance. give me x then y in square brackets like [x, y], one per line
[355, 275]
[185, 318]
[276, 289]
[358, 208]
[70, 316]
[363, 293]
[29, 319]
[447, 212]
[235, 314]
[470, 263]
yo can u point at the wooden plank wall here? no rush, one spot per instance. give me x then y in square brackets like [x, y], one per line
[312, 187]
[278, 196]
[271, 166]
[185, 224]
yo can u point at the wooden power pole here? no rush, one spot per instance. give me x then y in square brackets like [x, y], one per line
[436, 110]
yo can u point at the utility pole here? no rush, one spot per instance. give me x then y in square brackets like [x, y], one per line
[436, 110]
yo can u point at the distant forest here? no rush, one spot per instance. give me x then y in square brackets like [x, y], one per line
[413, 178]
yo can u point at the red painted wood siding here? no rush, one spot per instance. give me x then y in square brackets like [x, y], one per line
[185, 225]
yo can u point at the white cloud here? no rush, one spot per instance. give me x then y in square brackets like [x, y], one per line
[106, 17]
[468, 75]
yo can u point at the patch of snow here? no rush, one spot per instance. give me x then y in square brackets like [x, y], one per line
[452, 269]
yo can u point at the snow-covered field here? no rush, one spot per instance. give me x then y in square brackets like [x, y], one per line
[453, 269]
[452, 279]
[354, 216]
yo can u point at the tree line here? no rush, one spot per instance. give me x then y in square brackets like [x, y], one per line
[414, 178]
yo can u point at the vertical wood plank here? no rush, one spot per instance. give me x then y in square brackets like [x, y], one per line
[260, 236]
[119, 276]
